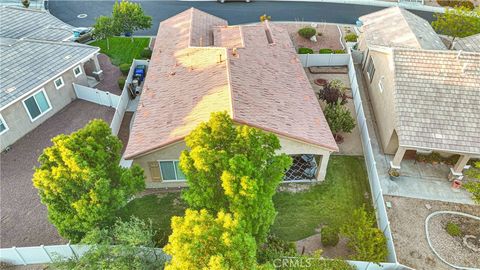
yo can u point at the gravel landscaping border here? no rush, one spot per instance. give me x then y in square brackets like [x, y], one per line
[430, 240]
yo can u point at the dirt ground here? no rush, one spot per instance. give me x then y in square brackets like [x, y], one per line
[330, 37]
[111, 74]
[23, 218]
[313, 243]
[407, 220]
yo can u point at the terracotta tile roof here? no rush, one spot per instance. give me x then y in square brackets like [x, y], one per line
[469, 44]
[259, 83]
[437, 99]
[397, 27]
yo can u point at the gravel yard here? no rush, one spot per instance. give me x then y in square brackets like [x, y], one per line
[23, 218]
[452, 248]
[407, 220]
[330, 36]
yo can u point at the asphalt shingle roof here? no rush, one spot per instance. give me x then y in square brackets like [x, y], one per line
[437, 99]
[469, 44]
[397, 27]
[26, 64]
[29, 23]
[258, 82]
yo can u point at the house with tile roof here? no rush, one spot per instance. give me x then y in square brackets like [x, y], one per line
[203, 65]
[425, 98]
[38, 67]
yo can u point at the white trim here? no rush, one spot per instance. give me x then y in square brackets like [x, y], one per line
[41, 113]
[174, 170]
[80, 73]
[4, 124]
[47, 81]
[55, 83]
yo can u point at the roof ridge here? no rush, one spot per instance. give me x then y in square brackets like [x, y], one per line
[63, 43]
[27, 9]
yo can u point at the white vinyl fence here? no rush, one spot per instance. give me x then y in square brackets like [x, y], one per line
[96, 96]
[324, 60]
[375, 188]
[124, 98]
[39, 254]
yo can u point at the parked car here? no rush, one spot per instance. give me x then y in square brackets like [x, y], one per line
[223, 1]
[82, 34]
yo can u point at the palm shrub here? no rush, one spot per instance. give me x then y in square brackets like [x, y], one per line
[307, 32]
[364, 238]
[334, 92]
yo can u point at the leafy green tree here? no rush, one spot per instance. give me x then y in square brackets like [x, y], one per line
[201, 240]
[104, 28]
[125, 246]
[457, 22]
[26, 3]
[339, 119]
[474, 185]
[364, 238]
[129, 17]
[235, 169]
[81, 182]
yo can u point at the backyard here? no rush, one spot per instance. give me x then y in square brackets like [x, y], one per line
[299, 213]
[122, 49]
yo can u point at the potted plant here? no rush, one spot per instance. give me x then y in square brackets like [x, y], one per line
[394, 173]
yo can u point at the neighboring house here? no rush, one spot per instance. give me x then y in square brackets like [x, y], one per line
[397, 27]
[37, 70]
[469, 44]
[425, 98]
[202, 66]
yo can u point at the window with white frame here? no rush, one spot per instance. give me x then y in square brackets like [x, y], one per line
[37, 104]
[77, 71]
[58, 83]
[170, 170]
[380, 84]
[370, 69]
[3, 125]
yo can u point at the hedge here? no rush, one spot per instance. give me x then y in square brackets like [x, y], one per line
[325, 51]
[305, 51]
[329, 236]
[351, 37]
[125, 68]
[456, 3]
[121, 82]
[146, 53]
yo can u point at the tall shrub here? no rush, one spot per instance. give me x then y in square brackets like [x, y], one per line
[234, 169]
[81, 182]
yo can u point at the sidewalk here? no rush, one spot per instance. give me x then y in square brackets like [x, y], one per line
[422, 185]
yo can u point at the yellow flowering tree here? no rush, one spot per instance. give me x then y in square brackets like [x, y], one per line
[234, 169]
[81, 182]
[201, 240]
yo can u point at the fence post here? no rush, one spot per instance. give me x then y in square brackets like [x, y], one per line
[73, 251]
[20, 256]
[46, 252]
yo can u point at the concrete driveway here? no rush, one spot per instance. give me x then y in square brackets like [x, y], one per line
[23, 218]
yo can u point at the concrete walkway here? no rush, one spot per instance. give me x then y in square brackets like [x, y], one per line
[421, 181]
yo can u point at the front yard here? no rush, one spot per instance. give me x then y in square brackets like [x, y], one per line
[122, 50]
[299, 214]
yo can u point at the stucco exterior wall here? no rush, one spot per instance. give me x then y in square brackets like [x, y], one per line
[17, 117]
[383, 101]
[173, 151]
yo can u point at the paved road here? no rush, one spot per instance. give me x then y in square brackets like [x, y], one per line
[235, 12]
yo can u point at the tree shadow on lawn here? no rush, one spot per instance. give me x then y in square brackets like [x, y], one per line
[331, 202]
[159, 208]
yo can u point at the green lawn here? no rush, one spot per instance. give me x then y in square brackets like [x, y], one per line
[122, 50]
[159, 209]
[330, 203]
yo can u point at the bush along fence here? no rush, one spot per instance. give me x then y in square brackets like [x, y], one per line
[375, 188]
[46, 254]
